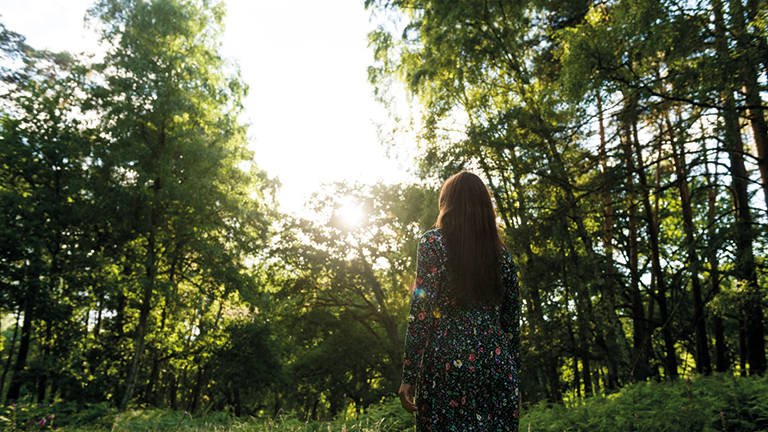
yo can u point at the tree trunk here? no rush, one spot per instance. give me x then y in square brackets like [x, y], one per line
[141, 329]
[670, 359]
[574, 344]
[173, 391]
[97, 327]
[313, 414]
[14, 390]
[535, 310]
[703, 362]
[42, 382]
[640, 367]
[151, 270]
[745, 44]
[743, 353]
[238, 405]
[614, 330]
[744, 268]
[753, 15]
[154, 376]
[721, 362]
[10, 351]
[617, 358]
[197, 388]
[584, 315]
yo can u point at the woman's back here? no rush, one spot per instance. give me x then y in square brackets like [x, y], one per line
[463, 358]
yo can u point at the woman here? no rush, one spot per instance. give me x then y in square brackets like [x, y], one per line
[462, 347]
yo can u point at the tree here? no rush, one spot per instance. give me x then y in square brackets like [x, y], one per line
[173, 159]
[599, 121]
[246, 363]
[44, 148]
[343, 296]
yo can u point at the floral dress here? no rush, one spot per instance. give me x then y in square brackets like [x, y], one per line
[463, 360]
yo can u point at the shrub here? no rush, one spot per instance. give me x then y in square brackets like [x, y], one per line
[716, 403]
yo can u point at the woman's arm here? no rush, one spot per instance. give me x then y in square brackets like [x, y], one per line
[510, 312]
[405, 394]
[429, 264]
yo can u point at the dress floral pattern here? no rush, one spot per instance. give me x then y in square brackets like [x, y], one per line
[464, 360]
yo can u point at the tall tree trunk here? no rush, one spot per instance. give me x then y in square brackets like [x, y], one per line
[196, 389]
[703, 362]
[154, 375]
[584, 318]
[642, 345]
[151, 271]
[141, 329]
[173, 391]
[753, 15]
[97, 327]
[614, 330]
[580, 347]
[7, 366]
[670, 358]
[535, 311]
[616, 354]
[239, 405]
[574, 344]
[14, 390]
[721, 361]
[743, 353]
[138, 353]
[744, 268]
[42, 382]
[576, 373]
[746, 44]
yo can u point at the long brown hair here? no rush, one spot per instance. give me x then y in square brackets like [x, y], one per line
[468, 222]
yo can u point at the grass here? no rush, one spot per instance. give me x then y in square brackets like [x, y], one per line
[716, 403]
[386, 416]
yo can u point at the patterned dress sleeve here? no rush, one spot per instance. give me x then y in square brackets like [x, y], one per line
[510, 307]
[420, 320]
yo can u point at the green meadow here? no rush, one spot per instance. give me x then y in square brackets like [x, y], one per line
[717, 403]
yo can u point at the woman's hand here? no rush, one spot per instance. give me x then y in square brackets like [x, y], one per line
[406, 397]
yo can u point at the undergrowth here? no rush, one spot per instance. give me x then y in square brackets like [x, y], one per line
[717, 403]
[386, 416]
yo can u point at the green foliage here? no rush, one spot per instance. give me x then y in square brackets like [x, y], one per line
[344, 283]
[386, 416]
[721, 402]
[130, 204]
[596, 126]
[59, 415]
[716, 403]
[143, 264]
[246, 363]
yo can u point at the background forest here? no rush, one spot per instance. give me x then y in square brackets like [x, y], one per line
[144, 260]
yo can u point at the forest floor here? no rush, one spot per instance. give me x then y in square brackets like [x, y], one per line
[716, 403]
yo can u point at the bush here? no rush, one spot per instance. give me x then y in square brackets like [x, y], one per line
[29, 416]
[716, 403]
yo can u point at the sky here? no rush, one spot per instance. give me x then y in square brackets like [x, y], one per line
[310, 106]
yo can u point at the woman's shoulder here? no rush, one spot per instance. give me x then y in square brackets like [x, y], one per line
[506, 256]
[432, 238]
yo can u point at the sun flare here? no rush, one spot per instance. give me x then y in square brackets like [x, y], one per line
[351, 213]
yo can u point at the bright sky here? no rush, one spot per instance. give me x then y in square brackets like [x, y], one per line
[310, 106]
